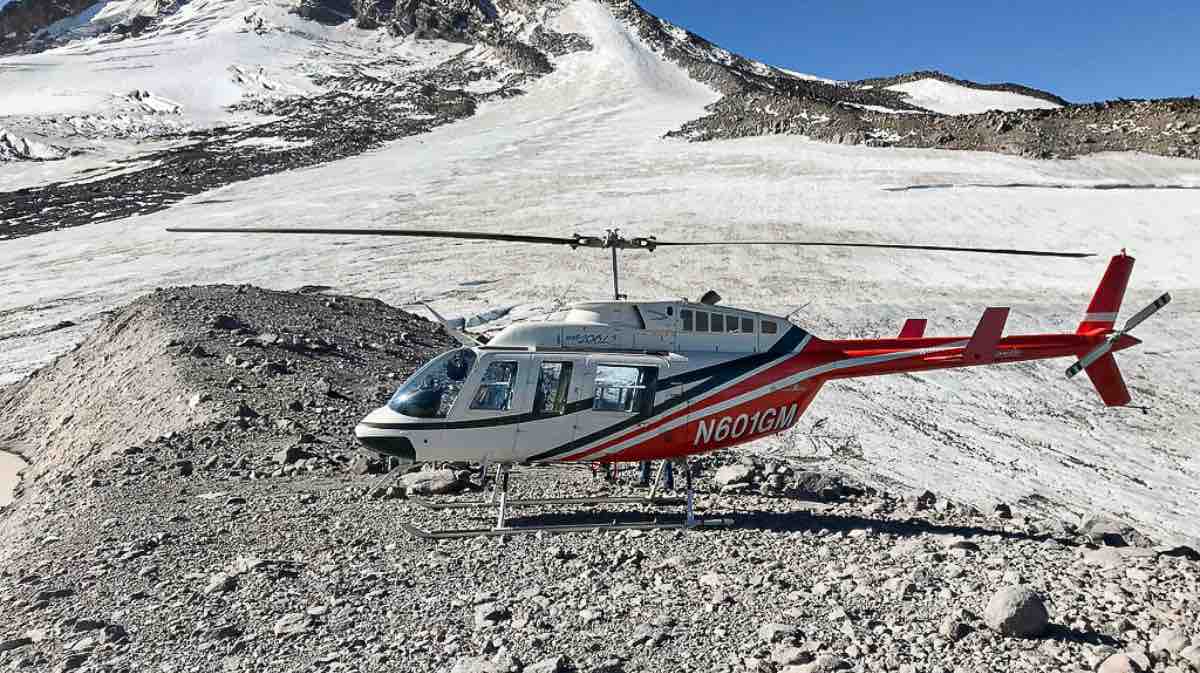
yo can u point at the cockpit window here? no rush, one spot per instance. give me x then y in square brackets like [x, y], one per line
[431, 392]
[496, 389]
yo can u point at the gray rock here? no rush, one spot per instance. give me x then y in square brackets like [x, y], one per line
[115, 633]
[787, 655]
[14, 643]
[292, 623]
[608, 666]
[224, 632]
[220, 583]
[364, 465]
[431, 482]
[290, 455]
[1016, 611]
[734, 474]
[778, 633]
[1109, 531]
[1191, 654]
[475, 665]
[489, 614]
[953, 629]
[1169, 641]
[826, 663]
[556, 664]
[183, 468]
[74, 661]
[1120, 663]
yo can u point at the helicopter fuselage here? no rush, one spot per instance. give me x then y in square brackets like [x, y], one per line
[630, 381]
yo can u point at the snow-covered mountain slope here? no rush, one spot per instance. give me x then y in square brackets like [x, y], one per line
[955, 99]
[583, 150]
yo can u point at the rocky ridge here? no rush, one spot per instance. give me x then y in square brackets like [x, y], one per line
[195, 501]
[365, 104]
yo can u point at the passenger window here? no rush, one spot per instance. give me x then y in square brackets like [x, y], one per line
[701, 321]
[495, 390]
[731, 323]
[625, 389]
[718, 322]
[554, 384]
[769, 327]
[748, 325]
[687, 320]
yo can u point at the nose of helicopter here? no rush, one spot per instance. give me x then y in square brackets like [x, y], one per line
[384, 440]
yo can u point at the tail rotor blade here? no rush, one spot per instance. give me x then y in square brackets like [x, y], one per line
[1150, 310]
[1086, 361]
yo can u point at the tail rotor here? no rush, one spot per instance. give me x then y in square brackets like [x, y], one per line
[1104, 348]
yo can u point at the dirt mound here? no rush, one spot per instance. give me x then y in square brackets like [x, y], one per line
[214, 365]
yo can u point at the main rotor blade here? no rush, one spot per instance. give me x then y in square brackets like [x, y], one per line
[1139, 317]
[1087, 360]
[459, 336]
[411, 233]
[651, 243]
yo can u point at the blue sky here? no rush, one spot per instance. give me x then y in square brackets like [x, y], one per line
[1082, 51]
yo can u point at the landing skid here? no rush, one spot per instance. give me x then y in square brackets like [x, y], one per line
[501, 502]
[549, 502]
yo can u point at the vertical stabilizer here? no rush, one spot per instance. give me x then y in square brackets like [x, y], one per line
[1106, 303]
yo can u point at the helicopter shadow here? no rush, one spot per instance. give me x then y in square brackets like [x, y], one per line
[782, 522]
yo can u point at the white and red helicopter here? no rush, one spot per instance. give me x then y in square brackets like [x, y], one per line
[619, 380]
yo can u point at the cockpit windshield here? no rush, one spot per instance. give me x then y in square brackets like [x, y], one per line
[432, 390]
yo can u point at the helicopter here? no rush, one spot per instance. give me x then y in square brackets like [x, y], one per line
[627, 380]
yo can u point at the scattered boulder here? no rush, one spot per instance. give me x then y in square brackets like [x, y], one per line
[953, 629]
[556, 664]
[293, 623]
[432, 482]
[220, 583]
[739, 473]
[290, 455]
[1109, 531]
[14, 643]
[1120, 663]
[778, 633]
[1168, 642]
[363, 465]
[489, 614]
[1017, 611]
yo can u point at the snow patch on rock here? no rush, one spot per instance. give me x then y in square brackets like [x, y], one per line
[955, 99]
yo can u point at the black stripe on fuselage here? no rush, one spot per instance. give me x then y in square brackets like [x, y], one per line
[717, 375]
[512, 419]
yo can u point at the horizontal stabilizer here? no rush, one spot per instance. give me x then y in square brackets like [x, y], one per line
[914, 328]
[981, 349]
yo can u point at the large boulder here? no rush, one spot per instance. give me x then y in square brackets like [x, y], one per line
[739, 473]
[1120, 663]
[1017, 611]
[432, 482]
[1169, 642]
[1106, 530]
